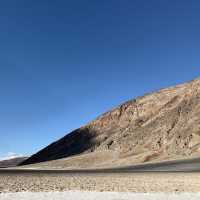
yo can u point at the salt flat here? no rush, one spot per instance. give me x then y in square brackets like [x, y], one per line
[119, 182]
[80, 195]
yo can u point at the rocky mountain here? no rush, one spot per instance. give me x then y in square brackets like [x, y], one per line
[163, 125]
[11, 162]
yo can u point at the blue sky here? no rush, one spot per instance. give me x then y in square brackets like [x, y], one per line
[63, 63]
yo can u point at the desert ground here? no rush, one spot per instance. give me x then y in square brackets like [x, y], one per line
[169, 176]
[88, 195]
[119, 182]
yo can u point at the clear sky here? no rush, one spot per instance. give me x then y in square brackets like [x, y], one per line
[63, 63]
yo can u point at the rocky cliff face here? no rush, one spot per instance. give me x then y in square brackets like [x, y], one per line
[159, 126]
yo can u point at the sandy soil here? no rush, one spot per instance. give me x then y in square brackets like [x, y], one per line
[135, 182]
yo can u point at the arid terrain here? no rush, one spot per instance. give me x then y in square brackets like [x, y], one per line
[163, 125]
[149, 144]
[134, 182]
[11, 162]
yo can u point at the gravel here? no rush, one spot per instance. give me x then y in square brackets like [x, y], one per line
[135, 182]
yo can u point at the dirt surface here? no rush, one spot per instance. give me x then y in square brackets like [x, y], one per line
[134, 182]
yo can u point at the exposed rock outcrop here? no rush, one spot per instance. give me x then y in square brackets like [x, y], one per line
[159, 126]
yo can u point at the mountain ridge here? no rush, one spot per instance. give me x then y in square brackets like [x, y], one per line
[12, 162]
[160, 125]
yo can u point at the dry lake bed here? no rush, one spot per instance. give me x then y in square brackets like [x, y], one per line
[115, 182]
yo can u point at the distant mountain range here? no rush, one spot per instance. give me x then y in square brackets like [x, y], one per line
[163, 125]
[11, 162]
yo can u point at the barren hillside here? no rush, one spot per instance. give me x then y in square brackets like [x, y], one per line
[160, 126]
[11, 162]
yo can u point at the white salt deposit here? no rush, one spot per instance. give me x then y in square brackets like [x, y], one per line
[83, 195]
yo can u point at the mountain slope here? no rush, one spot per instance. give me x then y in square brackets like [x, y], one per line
[13, 162]
[159, 126]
